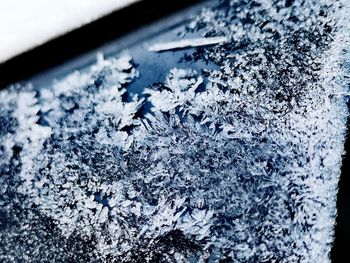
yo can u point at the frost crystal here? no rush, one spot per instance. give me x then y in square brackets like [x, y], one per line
[187, 43]
[237, 162]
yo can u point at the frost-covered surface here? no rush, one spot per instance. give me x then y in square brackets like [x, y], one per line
[234, 164]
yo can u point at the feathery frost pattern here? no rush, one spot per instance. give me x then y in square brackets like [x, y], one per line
[234, 163]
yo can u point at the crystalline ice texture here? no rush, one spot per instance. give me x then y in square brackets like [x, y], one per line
[237, 163]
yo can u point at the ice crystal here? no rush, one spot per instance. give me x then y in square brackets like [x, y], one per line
[187, 43]
[179, 88]
[234, 163]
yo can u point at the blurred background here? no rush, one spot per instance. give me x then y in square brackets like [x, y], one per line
[26, 24]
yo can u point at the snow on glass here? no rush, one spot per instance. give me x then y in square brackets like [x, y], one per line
[239, 163]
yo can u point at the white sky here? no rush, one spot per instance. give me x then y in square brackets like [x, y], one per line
[25, 24]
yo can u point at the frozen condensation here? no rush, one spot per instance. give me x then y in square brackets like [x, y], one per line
[188, 43]
[234, 163]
